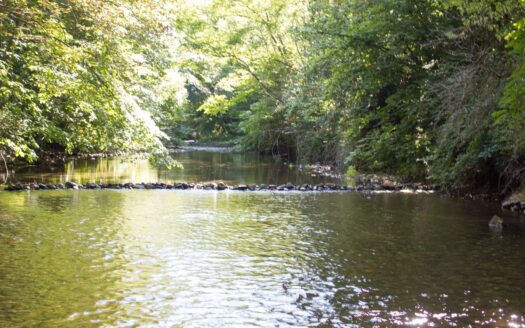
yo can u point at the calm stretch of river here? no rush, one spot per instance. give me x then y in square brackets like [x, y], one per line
[166, 258]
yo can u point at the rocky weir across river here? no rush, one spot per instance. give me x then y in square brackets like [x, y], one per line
[220, 186]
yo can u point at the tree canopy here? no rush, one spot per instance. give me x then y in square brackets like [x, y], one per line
[427, 90]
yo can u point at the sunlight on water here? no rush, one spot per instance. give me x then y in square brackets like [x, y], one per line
[199, 166]
[200, 259]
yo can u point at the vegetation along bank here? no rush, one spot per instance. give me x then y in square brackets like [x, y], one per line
[425, 90]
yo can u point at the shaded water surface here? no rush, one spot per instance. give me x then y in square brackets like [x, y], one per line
[162, 258]
[199, 166]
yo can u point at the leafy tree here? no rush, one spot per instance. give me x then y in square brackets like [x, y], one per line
[252, 45]
[70, 72]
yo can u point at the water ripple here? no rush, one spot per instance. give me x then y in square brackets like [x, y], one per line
[119, 259]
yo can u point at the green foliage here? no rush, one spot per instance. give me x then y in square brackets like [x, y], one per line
[351, 171]
[215, 105]
[421, 89]
[242, 54]
[468, 93]
[427, 90]
[70, 72]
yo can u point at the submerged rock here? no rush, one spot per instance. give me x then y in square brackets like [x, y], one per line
[496, 223]
[241, 187]
[304, 187]
[515, 202]
[210, 186]
[92, 185]
[22, 187]
[390, 184]
[71, 185]
[149, 186]
[330, 186]
[319, 187]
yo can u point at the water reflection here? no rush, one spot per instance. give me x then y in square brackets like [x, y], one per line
[199, 166]
[194, 259]
[53, 253]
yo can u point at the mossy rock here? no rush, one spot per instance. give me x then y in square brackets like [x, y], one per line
[515, 202]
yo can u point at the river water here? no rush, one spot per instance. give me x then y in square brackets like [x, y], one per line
[200, 164]
[166, 258]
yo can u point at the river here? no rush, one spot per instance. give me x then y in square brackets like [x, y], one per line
[172, 258]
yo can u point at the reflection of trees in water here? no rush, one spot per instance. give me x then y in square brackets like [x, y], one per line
[99, 170]
[231, 168]
[57, 263]
[104, 170]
